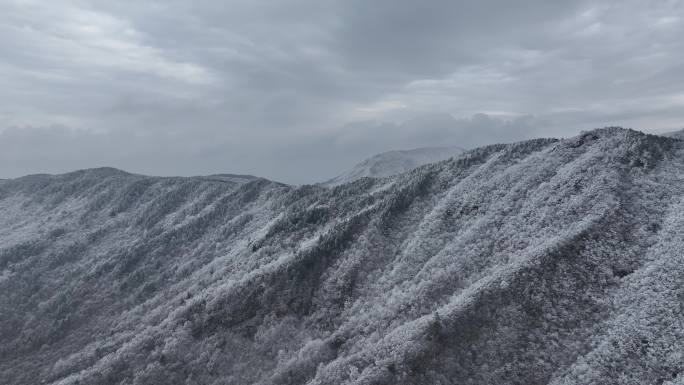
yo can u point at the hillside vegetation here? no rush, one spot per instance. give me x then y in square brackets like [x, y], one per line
[540, 262]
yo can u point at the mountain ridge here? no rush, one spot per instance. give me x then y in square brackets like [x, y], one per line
[542, 262]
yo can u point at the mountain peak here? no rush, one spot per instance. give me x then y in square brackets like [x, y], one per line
[394, 162]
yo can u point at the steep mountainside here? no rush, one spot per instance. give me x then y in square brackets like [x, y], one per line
[540, 262]
[394, 162]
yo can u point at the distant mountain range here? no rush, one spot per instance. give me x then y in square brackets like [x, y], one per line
[395, 162]
[676, 134]
[235, 178]
[539, 262]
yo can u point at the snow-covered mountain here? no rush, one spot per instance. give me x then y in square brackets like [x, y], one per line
[676, 134]
[395, 162]
[540, 262]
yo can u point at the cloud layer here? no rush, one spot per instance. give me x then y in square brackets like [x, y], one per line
[298, 90]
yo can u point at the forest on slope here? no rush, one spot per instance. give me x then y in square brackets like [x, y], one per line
[540, 262]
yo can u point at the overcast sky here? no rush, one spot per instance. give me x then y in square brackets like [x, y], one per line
[298, 91]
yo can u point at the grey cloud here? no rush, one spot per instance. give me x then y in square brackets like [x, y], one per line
[274, 88]
[429, 38]
[196, 152]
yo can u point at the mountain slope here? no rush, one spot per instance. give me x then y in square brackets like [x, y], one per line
[540, 262]
[394, 162]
